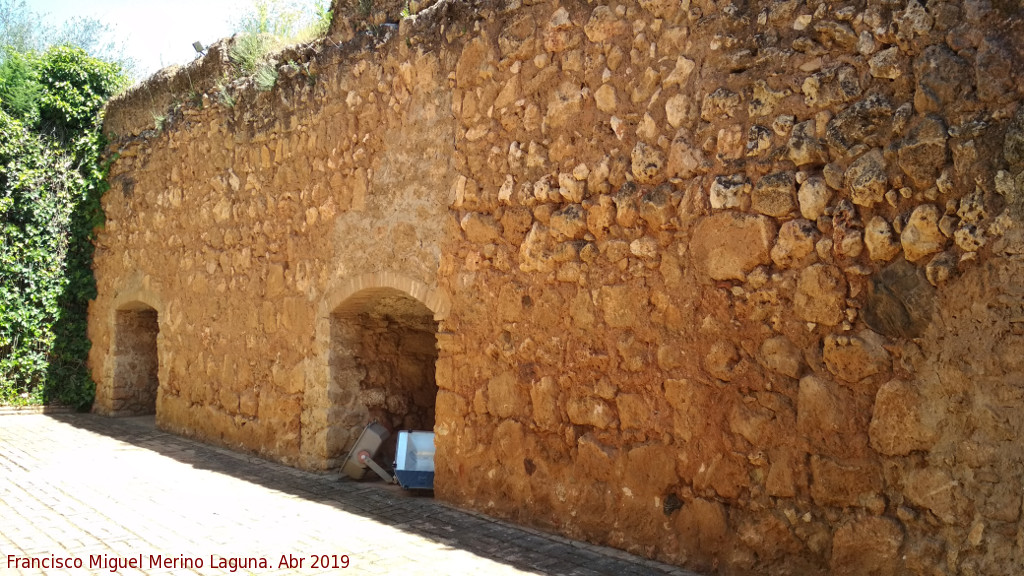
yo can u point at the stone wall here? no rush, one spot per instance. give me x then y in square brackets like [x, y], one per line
[253, 217]
[730, 285]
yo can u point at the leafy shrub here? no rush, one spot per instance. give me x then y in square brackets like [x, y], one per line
[51, 182]
[75, 87]
[19, 86]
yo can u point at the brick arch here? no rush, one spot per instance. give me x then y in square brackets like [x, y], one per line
[357, 291]
[136, 299]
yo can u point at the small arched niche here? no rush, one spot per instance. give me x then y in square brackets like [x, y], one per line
[383, 363]
[136, 361]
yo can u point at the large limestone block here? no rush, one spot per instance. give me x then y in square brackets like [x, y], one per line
[727, 473]
[844, 484]
[596, 460]
[473, 57]
[804, 147]
[690, 401]
[879, 239]
[507, 445]
[769, 536]
[545, 394]
[814, 196]
[684, 159]
[535, 252]
[854, 358]
[605, 98]
[604, 24]
[590, 411]
[564, 104]
[775, 195]
[899, 424]
[921, 236]
[899, 301]
[1013, 142]
[647, 163]
[934, 489]
[635, 411]
[561, 34]
[821, 409]
[780, 355]
[570, 221]
[727, 245]
[942, 78]
[703, 527]
[867, 180]
[867, 546]
[730, 192]
[624, 305]
[788, 469]
[858, 123]
[820, 295]
[506, 398]
[923, 153]
[651, 469]
[753, 422]
[795, 246]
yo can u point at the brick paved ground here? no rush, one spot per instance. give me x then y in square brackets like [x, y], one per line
[78, 485]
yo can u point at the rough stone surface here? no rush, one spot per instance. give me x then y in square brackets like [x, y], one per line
[854, 358]
[1013, 142]
[867, 180]
[574, 240]
[900, 423]
[729, 192]
[921, 235]
[899, 301]
[942, 77]
[842, 484]
[780, 355]
[795, 245]
[880, 240]
[923, 152]
[684, 160]
[886, 64]
[805, 148]
[741, 242]
[859, 125]
[605, 98]
[823, 412]
[774, 195]
[814, 197]
[820, 294]
[867, 546]
[934, 490]
[648, 163]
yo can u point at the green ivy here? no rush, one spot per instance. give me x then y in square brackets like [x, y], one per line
[51, 181]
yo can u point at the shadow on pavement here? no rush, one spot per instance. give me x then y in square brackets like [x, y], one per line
[416, 513]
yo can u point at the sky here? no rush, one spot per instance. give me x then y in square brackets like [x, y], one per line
[156, 33]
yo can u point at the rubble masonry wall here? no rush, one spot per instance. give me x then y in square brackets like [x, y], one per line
[734, 286]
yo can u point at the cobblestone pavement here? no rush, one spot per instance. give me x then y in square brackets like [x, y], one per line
[78, 487]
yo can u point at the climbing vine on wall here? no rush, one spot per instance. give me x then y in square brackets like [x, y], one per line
[51, 181]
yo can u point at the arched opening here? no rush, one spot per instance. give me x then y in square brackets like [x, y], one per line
[383, 365]
[136, 363]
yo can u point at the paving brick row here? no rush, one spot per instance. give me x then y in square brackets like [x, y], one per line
[80, 485]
